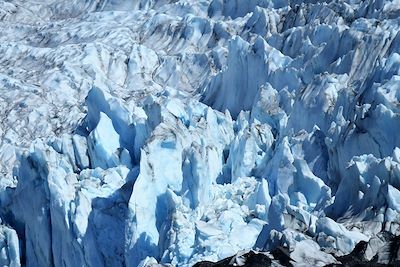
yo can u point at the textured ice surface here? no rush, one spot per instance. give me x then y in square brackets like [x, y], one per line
[137, 133]
[9, 248]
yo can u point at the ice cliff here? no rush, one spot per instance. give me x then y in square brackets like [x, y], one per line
[136, 133]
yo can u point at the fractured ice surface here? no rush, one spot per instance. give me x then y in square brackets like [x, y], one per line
[9, 248]
[138, 133]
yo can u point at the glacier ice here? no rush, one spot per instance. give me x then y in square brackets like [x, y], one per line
[9, 247]
[158, 132]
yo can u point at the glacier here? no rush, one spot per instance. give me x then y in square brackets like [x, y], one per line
[181, 133]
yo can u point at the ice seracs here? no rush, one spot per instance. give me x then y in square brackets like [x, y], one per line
[9, 247]
[151, 133]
